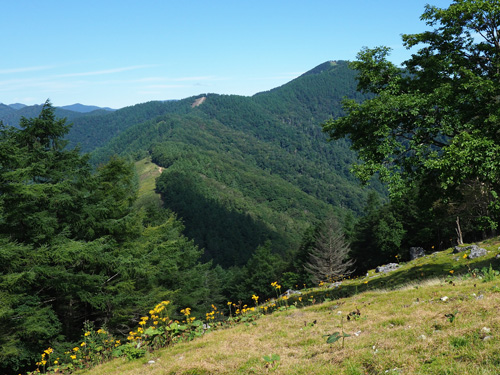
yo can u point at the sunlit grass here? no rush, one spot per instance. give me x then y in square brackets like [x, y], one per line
[147, 172]
[419, 319]
[402, 331]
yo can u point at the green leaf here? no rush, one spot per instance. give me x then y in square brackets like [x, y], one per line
[333, 337]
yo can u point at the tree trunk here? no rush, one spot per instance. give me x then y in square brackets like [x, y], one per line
[460, 240]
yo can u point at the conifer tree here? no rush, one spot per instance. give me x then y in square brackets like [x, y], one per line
[329, 256]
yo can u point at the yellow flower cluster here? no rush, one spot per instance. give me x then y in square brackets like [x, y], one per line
[46, 352]
[156, 315]
[276, 285]
[210, 315]
[256, 299]
[244, 310]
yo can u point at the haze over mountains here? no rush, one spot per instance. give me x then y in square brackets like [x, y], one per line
[11, 114]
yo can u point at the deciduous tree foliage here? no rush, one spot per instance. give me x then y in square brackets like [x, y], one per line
[437, 118]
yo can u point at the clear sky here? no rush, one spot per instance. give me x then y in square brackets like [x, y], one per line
[117, 53]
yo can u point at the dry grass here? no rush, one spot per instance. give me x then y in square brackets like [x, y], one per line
[405, 327]
[406, 331]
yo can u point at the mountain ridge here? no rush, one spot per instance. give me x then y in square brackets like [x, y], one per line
[261, 160]
[259, 167]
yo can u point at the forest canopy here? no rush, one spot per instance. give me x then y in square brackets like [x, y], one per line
[73, 248]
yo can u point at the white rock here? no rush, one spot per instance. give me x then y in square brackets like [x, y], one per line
[486, 330]
[445, 298]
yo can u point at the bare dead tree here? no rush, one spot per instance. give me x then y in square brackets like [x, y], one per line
[329, 257]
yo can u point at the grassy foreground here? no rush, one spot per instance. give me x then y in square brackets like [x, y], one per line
[436, 315]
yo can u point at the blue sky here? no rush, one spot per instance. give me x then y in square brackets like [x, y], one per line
[119, 53]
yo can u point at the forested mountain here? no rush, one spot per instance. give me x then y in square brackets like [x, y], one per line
[243, 180]
[82, 108]
[11, 114]
[244, 195]
[243, 170]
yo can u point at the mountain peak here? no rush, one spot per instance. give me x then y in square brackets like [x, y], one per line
[17, 105]
[328, 65]
[82, 108]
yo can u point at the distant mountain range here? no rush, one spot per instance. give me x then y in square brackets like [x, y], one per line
[11, 114]
[77, 107]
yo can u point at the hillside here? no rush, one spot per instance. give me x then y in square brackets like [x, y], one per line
[435, 315]
[241, 171]
[259, 167]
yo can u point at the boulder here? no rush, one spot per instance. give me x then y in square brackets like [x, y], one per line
[416, 252]
[387, 267]
[471, 248]
[336, 284]
[477, 252]
[458, 249]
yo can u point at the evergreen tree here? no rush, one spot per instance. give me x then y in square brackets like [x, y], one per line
[39, 180]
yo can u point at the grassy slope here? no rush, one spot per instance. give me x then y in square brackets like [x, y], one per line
[147, 172]
[404, 327]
